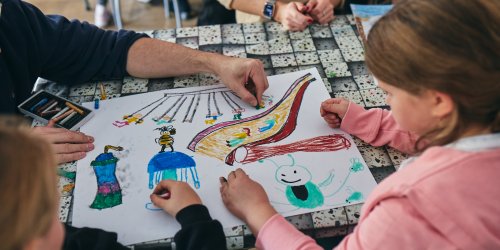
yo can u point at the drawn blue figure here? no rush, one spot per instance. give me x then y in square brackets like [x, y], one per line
[269, 123]
[174, 166]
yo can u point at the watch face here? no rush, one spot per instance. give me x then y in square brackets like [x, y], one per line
[268, 10]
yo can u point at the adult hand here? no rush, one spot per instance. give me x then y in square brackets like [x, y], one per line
[173, 196]
[68, 145]
[333, 110]
[321, 10]
[246, 77]
[292, 15]
[246, 199]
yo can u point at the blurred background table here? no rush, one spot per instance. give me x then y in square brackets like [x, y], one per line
[335, 50]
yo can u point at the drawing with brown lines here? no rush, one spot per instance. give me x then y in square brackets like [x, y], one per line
[275, 124]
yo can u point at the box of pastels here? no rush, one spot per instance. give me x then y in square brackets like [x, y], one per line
[44, 106]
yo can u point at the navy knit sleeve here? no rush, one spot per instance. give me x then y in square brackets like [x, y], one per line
[73, 52]
[199, 231]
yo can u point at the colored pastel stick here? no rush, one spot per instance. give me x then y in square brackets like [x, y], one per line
[67, 118]
[40, 103]
[75, 108]
[63, 115]
[50, 112]
[43, 107]
[60, 113]
[103, 91]
[51, 106]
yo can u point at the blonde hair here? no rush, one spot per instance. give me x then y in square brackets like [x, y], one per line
[449, 46]
[28, 183]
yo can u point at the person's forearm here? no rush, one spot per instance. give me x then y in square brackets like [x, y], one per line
[259, 217]
[152, 58]
[255, 7]
[251, 7]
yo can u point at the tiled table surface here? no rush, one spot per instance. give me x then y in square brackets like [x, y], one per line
[335, 50]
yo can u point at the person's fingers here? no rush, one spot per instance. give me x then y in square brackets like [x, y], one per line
[165, 185]
[223, 186]
[244, 94]
[311, 5]
[325, 16]
[336, 125]
[64, 158]
[223, 181]
[239, 172]
[64, 148]
[231, 176]
[297, 20]
[157, 200]
[51, 123]
[70, 137]
[331, 107]
[259, 79]
[334, 100]
[48, 130]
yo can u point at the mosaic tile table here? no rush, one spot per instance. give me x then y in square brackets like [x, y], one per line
[335, 50]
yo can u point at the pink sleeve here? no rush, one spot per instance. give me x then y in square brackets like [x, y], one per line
[277, 233]
[377, 127]
[394, 224]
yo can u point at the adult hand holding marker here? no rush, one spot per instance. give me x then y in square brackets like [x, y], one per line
[173, 196]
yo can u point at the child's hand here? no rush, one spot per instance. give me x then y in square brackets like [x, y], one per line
[333, 111]
[246, 199]
[173, 196]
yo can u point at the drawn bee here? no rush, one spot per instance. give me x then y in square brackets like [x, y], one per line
[166, 138]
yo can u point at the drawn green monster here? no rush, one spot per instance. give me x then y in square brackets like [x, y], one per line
[301, 192]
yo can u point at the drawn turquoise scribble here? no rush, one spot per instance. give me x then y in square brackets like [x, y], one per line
[356, 196]
[356, 165]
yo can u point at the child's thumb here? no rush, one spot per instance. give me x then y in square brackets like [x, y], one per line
[331, 107]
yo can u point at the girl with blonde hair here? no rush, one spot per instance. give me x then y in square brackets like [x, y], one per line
[439, 62]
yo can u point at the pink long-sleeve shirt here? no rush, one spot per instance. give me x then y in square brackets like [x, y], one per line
[447, 198]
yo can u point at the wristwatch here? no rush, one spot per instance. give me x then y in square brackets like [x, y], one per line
[268, 11]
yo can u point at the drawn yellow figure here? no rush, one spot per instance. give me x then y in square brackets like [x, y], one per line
[127, 120]
[211, 118]
[238, 138]
[166, 138]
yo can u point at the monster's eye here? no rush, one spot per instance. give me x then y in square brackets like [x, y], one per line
[294, 171]
[283, 175]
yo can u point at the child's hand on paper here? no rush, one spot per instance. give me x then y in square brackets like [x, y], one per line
[173, 196]
[246, 199]
[333, 111]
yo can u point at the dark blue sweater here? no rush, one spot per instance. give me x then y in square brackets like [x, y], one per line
[68, 52]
